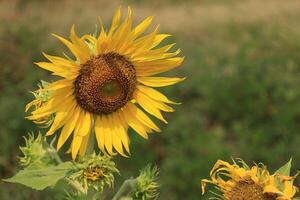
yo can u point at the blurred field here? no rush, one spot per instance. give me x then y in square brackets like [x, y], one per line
[241, 97]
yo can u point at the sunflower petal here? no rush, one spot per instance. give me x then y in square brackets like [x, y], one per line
[59, 71]
[108, 135]
[154, 94]
[68, 128]
[86, 124]
[115, 21]
[73, 48]
[142, 117]
[135, 124]
[158, 66]
[85, 142]
[117, 140]
[61, 61]
[147, 105]
[139, 29]
[123, 131]
[159, 81]
[77, 140]
[100, 135]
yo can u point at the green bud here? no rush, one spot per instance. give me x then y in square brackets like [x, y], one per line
[36, 152]
[147, 186]
[94, 171]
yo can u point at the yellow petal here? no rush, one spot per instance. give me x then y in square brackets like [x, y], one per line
[61, 61]
[32, 103]
[90, 38]
[158, 39]
[118, 145]
[81, 45]
[142, 44]
[139, 29]
[68, 128]
[108, 134]
[61, 118]
[99, 131]
[155, 54]
[60, 84]
[147, 105]
[77, 140]
[142, 117]
[86, 124]
[85, 142]
[123, 131]
[74, 49]
[158, 66]
[54, 104]
[59, 71]
[159, 81]
[117, 140]
[102, 42]
[115, 21]
[121, 37]
[135, 124]
[154, 94]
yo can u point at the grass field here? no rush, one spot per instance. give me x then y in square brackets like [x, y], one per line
[241, 97]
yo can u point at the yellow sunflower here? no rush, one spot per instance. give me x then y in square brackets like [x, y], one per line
[108, 86]
[256, 183]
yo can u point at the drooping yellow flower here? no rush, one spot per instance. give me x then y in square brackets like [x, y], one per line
[256, 183]
[109, 85]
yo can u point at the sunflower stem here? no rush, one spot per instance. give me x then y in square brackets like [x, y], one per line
[55, 155]
[57, 158]
[76, 186]
[125, 188]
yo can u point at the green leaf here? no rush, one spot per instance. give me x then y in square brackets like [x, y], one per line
[285, 169]
[39, 179]
[297, 198]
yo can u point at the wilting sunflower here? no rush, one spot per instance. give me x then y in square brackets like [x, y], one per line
[109, 85]
[243, 183]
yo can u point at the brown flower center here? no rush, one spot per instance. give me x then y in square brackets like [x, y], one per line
[105, 83]
[248, 190]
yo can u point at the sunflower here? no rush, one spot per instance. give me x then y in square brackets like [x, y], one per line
[108, 86]
[256, 183]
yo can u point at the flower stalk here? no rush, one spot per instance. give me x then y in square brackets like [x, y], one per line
[127, 186]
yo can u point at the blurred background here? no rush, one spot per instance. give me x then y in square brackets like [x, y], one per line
[241, 97]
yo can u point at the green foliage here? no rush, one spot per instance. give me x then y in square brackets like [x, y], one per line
[40, 178]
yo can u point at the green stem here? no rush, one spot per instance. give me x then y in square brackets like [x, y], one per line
[76, 186]
[125, 188]
[55, 155]
[57, 158]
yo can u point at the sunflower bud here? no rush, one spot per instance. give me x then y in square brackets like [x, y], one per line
[35, 151]
[94, 171]
[146, 185]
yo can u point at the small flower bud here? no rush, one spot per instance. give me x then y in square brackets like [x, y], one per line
[94, 171]
[35, 152]
[147, 186]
